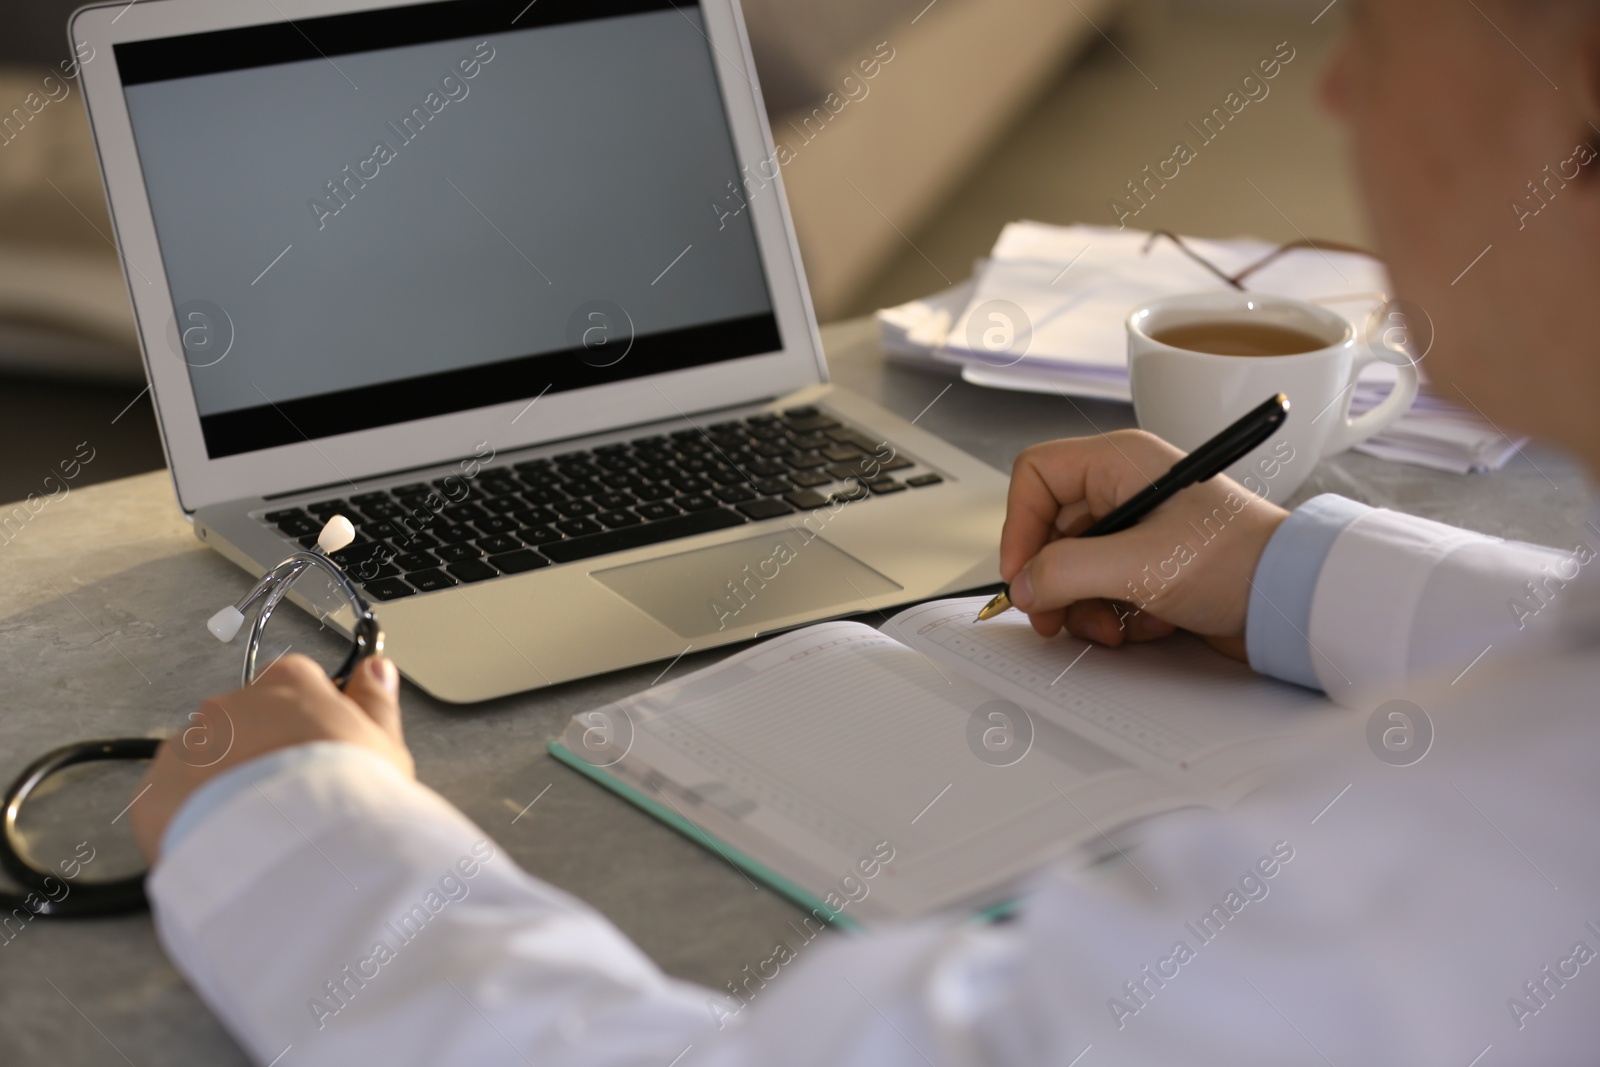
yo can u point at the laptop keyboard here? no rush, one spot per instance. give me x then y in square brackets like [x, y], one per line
[421, 537]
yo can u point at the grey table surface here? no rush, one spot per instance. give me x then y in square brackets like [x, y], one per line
[104, 593]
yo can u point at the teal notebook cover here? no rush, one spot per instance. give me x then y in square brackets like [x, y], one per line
[759, 871]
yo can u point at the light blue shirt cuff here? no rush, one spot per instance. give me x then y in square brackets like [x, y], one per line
[1279, 616]
[217, 792]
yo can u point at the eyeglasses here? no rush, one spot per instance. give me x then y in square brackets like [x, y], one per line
[313, 579]
[1237, 278]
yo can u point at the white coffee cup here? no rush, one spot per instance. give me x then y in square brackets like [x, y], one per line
[1188, 397]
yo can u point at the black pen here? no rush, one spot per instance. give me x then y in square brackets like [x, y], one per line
[1204, 463]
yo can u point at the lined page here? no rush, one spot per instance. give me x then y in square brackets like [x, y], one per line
[1174, 703]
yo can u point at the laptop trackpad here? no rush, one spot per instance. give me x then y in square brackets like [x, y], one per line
[745, 583]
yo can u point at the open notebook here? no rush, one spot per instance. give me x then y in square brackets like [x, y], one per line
[936, 763]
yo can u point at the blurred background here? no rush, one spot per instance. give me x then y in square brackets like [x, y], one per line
[988, 111]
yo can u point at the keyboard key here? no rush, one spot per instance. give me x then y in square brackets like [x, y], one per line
[851, 492]
[691, 484]
[924, 479]
[773, 486]
[415, 542]
[327, 507]
[361, 500]
[696, 502]
[375, 568]
[472, 570]
[582, 487]
[416, 561]
[867, 467]
[734, 494]
[656, 511]
[455, 534]
[354, 555]
[457, 553]
[387, 589]
[503, 505]
[855, 437]
[538, 535]
[766, 509]
[613, 520]
[532, 466]
[809, 423]
[495, 525]
[464, 513]
[808, 479]
[495, 545]
[579, 527]
[498, 486]
[644, 534]
[653, 492]
[411, 489]
[535, 517]
[614, 501]
[574, 508]
[839, 453]
[382, 531]
[766, 468]
[523, 559]
[427, 503]
[806, 499]
[800, 413]
[301, 525]
[543, 498]
[430, 580]
[807, 460]
[880, 486]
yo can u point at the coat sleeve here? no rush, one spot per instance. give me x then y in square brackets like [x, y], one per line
[1359, 601]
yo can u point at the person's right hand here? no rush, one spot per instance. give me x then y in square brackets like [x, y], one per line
[1186, 565]
[292, 702]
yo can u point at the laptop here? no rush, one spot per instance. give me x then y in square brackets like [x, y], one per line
[512, 286]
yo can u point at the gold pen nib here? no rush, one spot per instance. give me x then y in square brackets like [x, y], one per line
[1000, 603]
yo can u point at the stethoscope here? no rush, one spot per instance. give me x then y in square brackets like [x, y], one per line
[49, 894]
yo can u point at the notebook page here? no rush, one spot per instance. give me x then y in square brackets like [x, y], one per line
[1174, 705]
[809, 750]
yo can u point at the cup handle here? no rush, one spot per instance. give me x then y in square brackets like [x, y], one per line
[1397, 403]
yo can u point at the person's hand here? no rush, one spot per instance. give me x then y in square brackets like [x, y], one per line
[291, 703]
[1186, 565]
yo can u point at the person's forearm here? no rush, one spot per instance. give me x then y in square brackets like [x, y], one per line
[341, 909]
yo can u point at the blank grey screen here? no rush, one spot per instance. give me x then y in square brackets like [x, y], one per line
[380, 215]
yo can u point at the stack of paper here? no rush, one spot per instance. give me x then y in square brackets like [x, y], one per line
[1046, 313]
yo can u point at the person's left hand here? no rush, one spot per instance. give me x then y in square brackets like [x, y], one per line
[293, 702]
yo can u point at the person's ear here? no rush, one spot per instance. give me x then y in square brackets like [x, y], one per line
[1588, 77]
[1333, 91]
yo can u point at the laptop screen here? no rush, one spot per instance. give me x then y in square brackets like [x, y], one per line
[382, 216]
